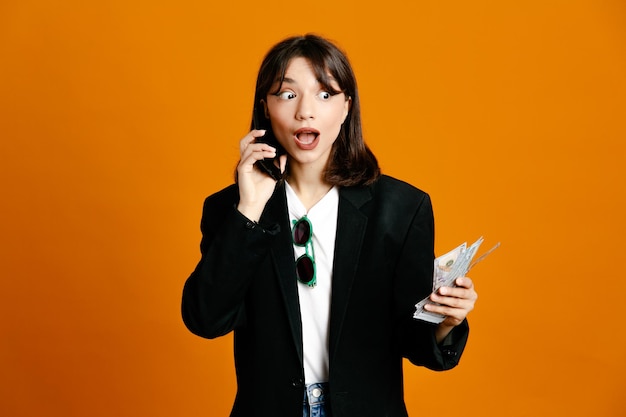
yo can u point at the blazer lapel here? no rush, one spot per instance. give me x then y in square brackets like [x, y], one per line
[276, 212]
[351, 224]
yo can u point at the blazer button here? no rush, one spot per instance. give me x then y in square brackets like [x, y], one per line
[297, 383]
[450, 353]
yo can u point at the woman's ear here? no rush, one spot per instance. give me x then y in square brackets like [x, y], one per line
[265, 110]
[346, 109]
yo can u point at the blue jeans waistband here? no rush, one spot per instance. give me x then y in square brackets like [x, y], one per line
[316, 393]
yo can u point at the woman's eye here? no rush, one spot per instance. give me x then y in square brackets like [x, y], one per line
[324, 95]
[286, 95]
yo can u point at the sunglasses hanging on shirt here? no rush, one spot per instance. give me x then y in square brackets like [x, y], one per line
[302, 234]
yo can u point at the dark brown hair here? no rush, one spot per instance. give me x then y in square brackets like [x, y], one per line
[351, 162]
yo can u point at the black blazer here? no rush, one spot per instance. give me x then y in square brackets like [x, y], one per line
[383, 264]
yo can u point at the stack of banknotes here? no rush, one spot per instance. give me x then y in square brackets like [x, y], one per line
[448, 268]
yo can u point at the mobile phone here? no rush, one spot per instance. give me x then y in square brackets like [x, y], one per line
[267, 165]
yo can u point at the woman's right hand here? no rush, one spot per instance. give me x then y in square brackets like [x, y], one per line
[255, 186]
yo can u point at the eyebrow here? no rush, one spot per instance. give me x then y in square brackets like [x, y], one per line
[292, 81]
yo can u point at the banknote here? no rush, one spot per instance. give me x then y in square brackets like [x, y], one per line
[447, 268]
[445, 265]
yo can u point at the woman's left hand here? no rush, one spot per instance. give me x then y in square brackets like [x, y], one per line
[454, 302]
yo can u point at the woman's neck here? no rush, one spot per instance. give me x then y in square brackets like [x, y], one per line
[310, 186]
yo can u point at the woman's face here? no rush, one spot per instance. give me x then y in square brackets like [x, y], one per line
[306, 118]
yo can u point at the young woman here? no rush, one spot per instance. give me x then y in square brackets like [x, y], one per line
[318, 271]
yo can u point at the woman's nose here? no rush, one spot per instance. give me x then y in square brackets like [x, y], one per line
[306, 108]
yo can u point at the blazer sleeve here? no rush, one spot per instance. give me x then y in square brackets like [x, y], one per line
[414, 273]
[232, 248]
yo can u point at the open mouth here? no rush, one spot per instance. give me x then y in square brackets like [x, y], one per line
[306, 136]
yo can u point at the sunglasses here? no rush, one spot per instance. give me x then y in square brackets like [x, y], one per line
[302, 234]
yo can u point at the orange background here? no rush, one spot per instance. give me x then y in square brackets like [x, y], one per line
[117, 118]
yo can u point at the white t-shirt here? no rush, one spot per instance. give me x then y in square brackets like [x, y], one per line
[315, 301]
